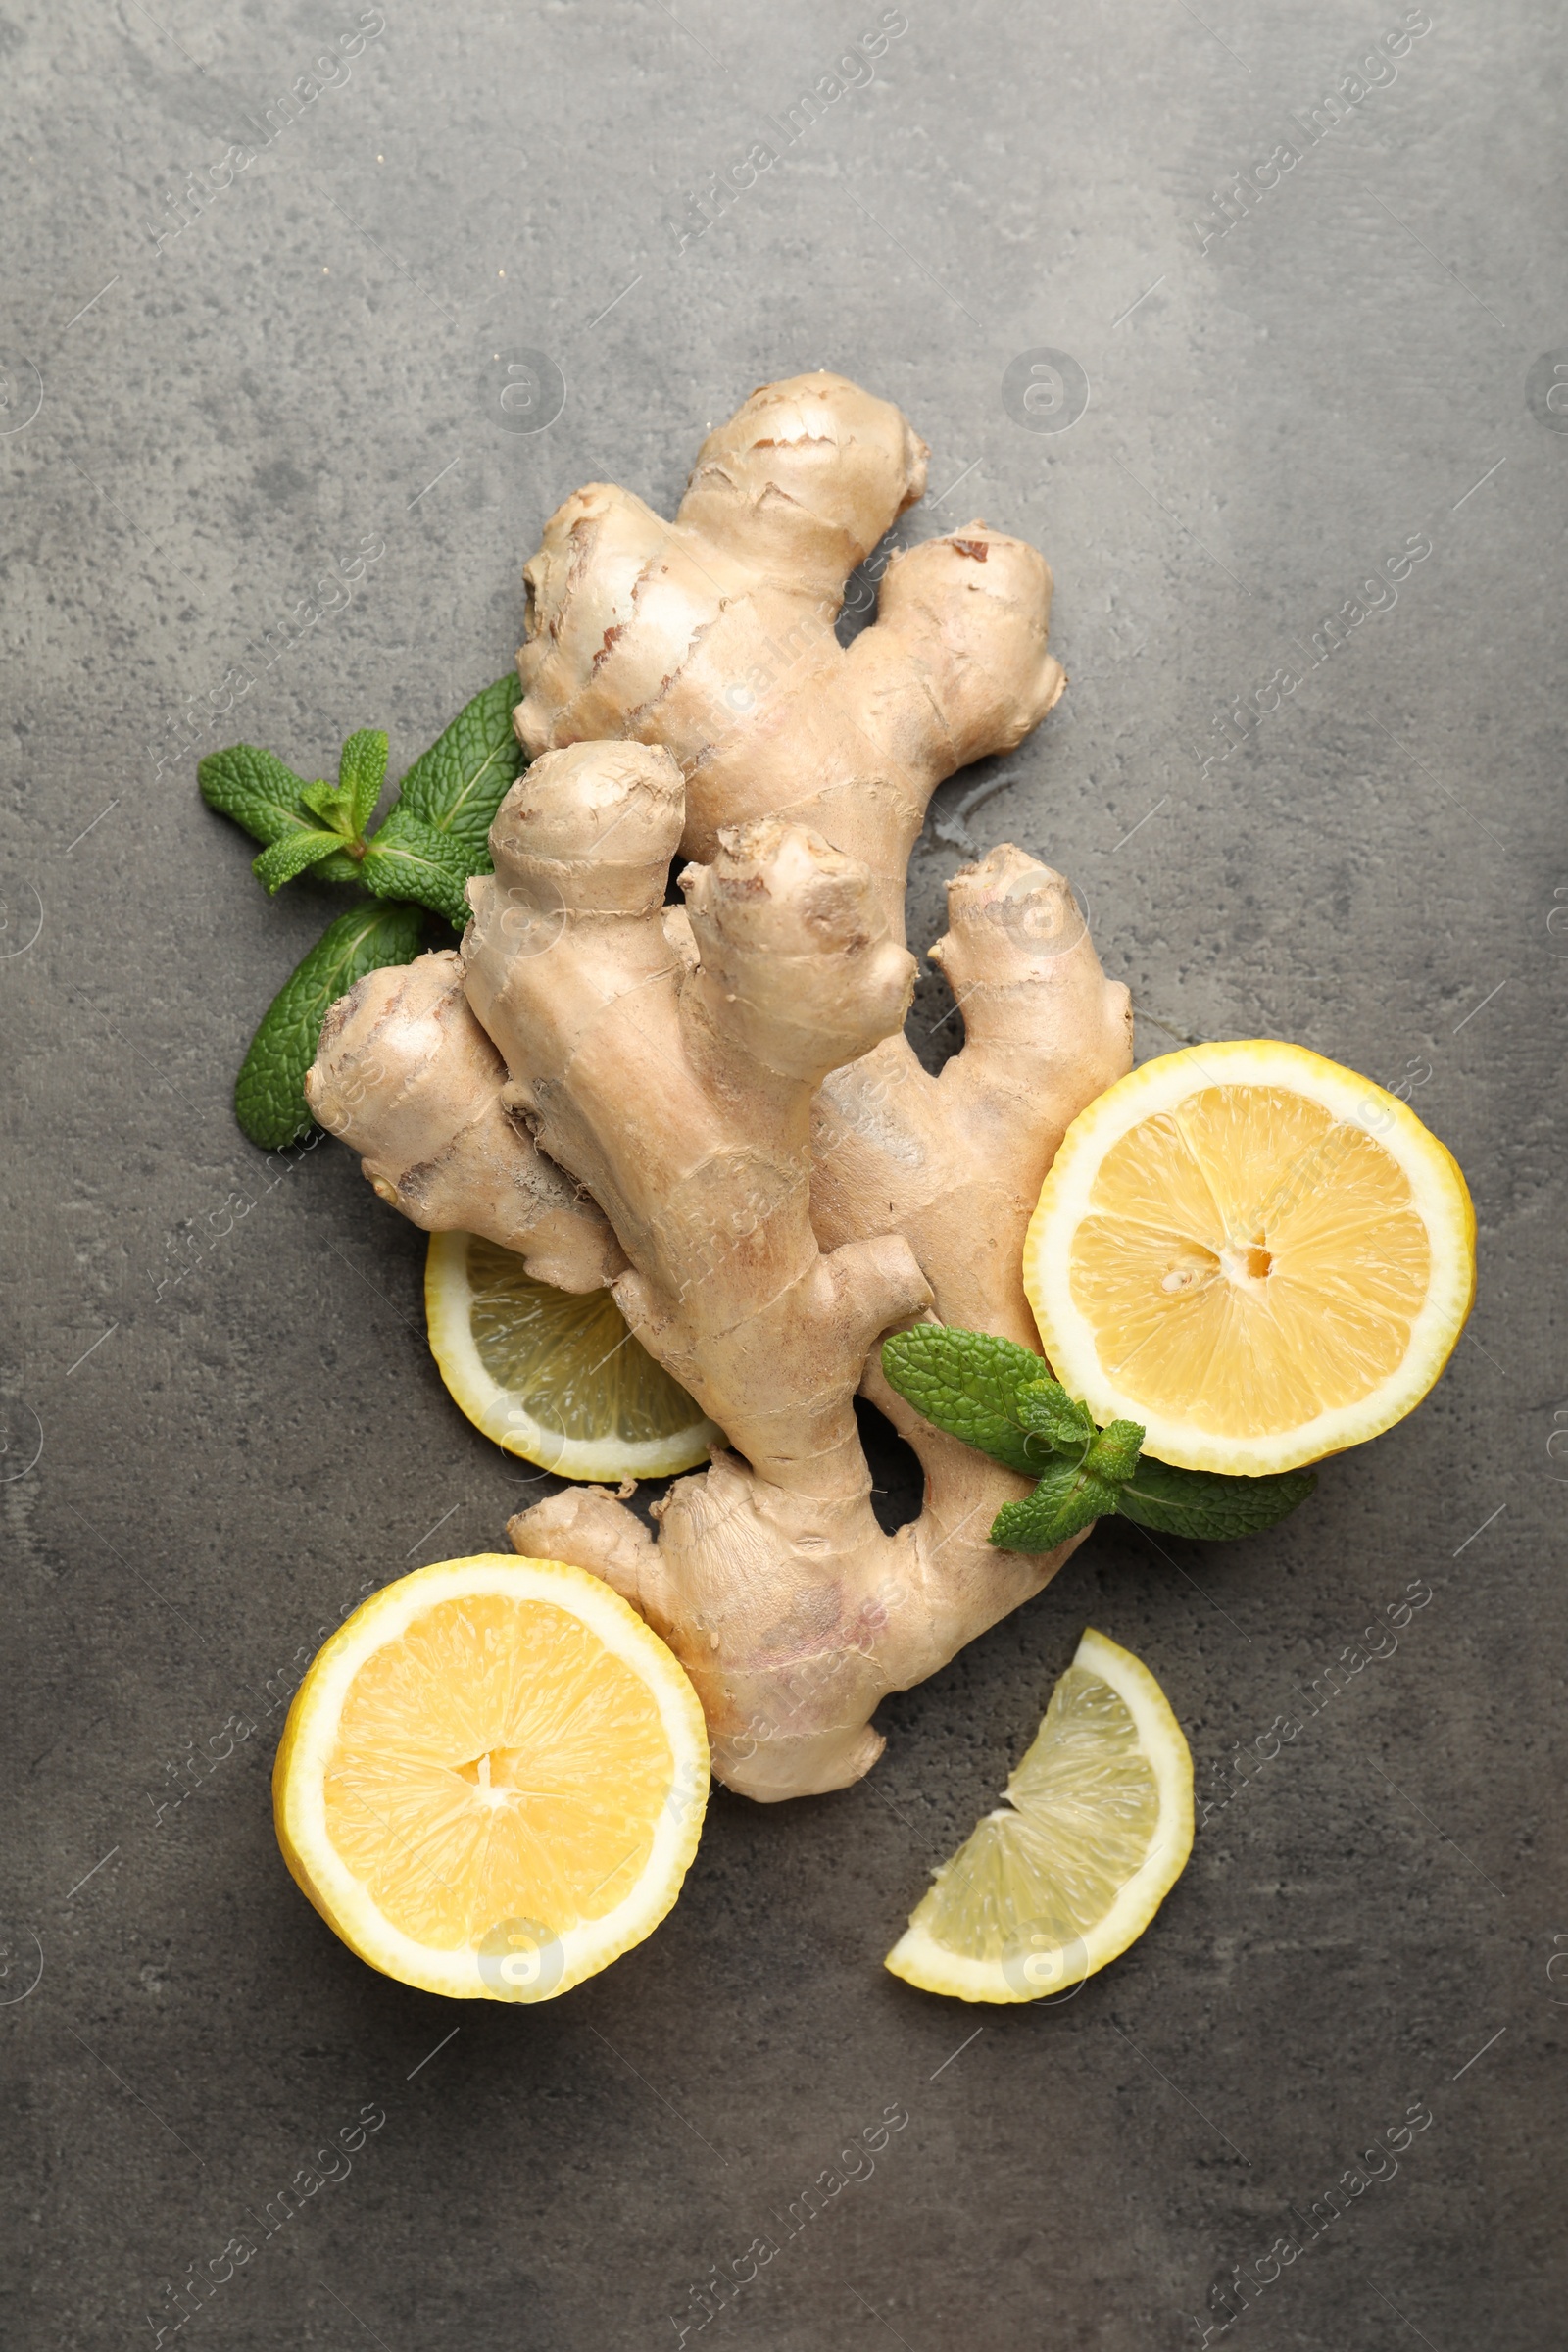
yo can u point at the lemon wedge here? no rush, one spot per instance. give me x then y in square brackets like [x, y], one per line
[1096, 1830]
[1255, 1253]
[492, 1779]
[554, 1375]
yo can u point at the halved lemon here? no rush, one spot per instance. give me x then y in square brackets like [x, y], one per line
[492, 1779]
[554, 1375]
[1257, 1254]
[1095, 1831]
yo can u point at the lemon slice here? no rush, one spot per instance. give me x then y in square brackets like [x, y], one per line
[1096, 1830]
[1254, 1253]
[492, 1779]
[554, 1375]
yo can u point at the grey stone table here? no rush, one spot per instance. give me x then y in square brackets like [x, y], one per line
[1256, 322]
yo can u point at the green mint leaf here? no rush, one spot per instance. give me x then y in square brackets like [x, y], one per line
[361, 774]
[332, 805]
[1068, 1499]
[269, 1092]
[1046, 1407]
[410, 859]
[457, 786]
[259, 793]
[291, 856]
[1205, 1507]
[968, 1383]
[255, 789]
[1115, 1451]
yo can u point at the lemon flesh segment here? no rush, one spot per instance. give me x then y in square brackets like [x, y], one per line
[492, 1779]
[554, 1375]
[1255, 1253]
[1096, 1830]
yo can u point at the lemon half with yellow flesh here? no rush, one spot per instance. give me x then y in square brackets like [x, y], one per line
[1095, 1831]
[492, 1779]
[554, 1375]
[1258, 1255]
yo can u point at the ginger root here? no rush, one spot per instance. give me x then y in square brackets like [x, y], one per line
[715, 1111]
[714, 636]
[403, 1054]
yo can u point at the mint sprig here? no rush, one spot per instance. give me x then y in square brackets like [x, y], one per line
[433, 839]
[999, 1398]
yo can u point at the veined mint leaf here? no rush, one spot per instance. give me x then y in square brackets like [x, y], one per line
[269, 1092]
[411, 859]
[1067, 1497]
[1046, 1407]
[291, 856]
[1113, 1454]
[1207, 1506]
[361, 774]
[256, 790]
[457, 786]
[968, 1383]
[332, 804]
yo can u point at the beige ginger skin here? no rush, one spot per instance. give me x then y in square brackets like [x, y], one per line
[715, 1111]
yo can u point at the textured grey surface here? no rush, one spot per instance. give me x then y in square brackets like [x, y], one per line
[241, 1427]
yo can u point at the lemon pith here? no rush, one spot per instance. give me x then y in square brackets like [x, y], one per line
[1096, 1830]
[554, 1376]
[1252, 1251]
[492, 1779]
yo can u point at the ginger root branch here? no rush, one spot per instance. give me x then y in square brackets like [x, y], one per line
[712, 1108]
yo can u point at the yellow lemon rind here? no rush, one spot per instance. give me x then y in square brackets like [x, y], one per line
[500, 1414]
[1439, 1194]
[309, 1734]
[932, 1967]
